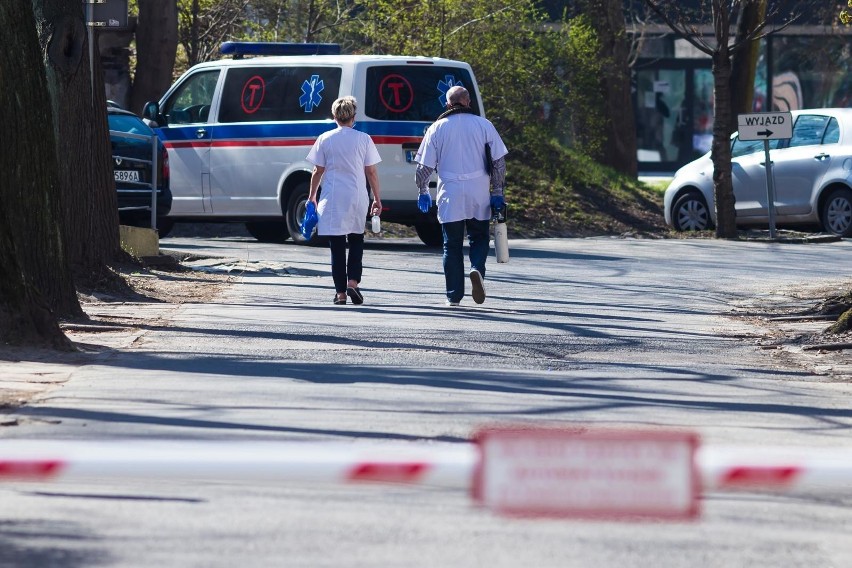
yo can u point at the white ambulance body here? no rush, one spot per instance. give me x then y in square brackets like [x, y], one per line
[238, 130]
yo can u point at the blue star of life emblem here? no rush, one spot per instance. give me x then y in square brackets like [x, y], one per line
[444, 86]
[311, 90]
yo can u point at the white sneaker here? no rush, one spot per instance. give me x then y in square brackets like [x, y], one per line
[477, 286]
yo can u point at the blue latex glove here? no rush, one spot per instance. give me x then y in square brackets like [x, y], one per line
[498, 203]
[424, 202]
[309, 222]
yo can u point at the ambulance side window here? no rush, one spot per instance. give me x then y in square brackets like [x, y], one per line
[413, 92]
[263, 94]
[190, 103]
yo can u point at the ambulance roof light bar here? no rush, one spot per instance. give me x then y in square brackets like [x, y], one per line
[239, 49]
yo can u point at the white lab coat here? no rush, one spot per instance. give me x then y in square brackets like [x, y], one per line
[455, 146]
[343, 201]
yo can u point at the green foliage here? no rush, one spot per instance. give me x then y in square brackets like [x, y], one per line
[538, 82]
[577, 196]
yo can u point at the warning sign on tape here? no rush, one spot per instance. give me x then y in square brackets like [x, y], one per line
[588, 474]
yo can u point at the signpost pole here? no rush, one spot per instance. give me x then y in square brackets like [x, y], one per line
[766, 126]
[770, 191]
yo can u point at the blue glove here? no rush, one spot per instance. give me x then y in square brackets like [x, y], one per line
[309, 222]
[424, 202]
[498, 203]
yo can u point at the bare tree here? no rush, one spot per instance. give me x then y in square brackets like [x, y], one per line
[718, 15]
[33, 264]
[89, 204]
[201, 30]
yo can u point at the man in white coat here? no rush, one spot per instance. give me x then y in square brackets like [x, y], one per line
[469, 157]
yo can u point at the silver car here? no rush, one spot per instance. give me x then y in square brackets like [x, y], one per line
[812, 174]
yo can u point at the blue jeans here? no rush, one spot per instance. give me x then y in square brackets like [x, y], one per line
[478, 237]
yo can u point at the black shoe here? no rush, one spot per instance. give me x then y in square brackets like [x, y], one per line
[355, 295]
[339, 301]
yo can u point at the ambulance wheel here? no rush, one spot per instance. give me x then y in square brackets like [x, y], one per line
[430, 233]
[268, 231]
[295, 212]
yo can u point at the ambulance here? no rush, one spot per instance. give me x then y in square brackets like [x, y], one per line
[238, 130]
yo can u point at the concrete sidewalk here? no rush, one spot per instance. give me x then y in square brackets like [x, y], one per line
[28, 372]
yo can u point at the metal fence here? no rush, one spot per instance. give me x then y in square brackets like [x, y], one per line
[153, 162]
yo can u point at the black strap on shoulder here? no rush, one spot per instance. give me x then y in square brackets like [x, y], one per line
[456, 109]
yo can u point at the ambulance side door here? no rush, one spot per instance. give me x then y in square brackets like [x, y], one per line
[188, 137]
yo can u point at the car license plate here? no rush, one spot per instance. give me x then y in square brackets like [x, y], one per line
[126, 175]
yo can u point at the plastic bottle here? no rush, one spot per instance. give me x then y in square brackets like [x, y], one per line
[377, 224]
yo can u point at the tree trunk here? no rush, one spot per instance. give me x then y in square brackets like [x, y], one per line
[726, 225]
[33, 264]
[619, 149]
[89, 204]
[744, 61]
[156, 46]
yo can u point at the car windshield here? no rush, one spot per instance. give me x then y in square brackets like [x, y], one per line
[128, 123]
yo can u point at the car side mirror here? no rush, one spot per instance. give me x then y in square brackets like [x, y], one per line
[152, 116]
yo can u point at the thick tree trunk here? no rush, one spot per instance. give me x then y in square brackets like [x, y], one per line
[156, 45]
[619, 150]
[34, 271]
[89, 203]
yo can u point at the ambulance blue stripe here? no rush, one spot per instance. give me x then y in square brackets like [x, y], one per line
[262, 130]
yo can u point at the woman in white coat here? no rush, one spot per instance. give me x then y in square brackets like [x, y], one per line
[344, 160]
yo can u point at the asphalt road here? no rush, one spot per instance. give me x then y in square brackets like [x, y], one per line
[596, 332]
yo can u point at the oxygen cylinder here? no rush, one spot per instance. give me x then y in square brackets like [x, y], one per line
[501, 242]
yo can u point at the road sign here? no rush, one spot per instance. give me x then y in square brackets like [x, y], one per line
[575, 473]
[765, 126]
[107, 14]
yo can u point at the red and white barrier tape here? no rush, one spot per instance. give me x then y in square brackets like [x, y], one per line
[447, 465]
[775, 469]
[528, 472]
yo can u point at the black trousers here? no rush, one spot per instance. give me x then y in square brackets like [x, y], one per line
[344, 269]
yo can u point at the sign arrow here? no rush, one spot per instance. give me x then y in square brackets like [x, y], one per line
[764, 133]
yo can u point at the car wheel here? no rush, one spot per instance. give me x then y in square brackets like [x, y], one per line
[268, 231]
[690, 213]
[164, 227]
[837, 212]
[430, 234]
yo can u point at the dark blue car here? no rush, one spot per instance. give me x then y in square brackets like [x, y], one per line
[132, 167]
